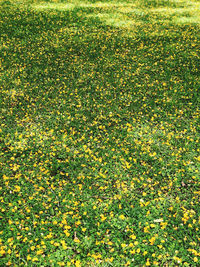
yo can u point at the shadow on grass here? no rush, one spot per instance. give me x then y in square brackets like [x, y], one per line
[83, 47]
[86, 60]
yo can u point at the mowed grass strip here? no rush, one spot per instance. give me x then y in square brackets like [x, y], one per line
[99, 133]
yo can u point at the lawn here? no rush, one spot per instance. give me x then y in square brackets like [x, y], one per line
[99, 133]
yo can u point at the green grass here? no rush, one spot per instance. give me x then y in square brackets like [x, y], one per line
[99, 133]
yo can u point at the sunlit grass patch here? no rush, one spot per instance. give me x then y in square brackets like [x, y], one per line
[70, 5]
[56, 6]
[116, 19]
[188, 12]
[188, 19]
[160, 3]
[126, 14]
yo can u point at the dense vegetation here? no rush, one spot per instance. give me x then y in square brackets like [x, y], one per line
[99, 133]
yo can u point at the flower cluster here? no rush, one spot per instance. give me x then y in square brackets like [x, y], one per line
[99, 134]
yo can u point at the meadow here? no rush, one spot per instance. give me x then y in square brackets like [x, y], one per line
[99, 133]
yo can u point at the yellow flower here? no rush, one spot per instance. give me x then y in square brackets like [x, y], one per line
[103, 218]
[78, 264]
[152, 240]
[138, 250]
[109, 259]
[77, 223]
[17, 188]
[76, 240]
[122, 217]
[2, 252]
[39, 252]
[148, 263]
[132, 251]
[66, 233]
[133, 236]
[61, 263]
[16, 167]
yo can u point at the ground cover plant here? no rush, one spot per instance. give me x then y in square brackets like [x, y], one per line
[99, 133]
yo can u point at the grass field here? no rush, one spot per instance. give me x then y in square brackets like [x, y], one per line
[99, 133]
